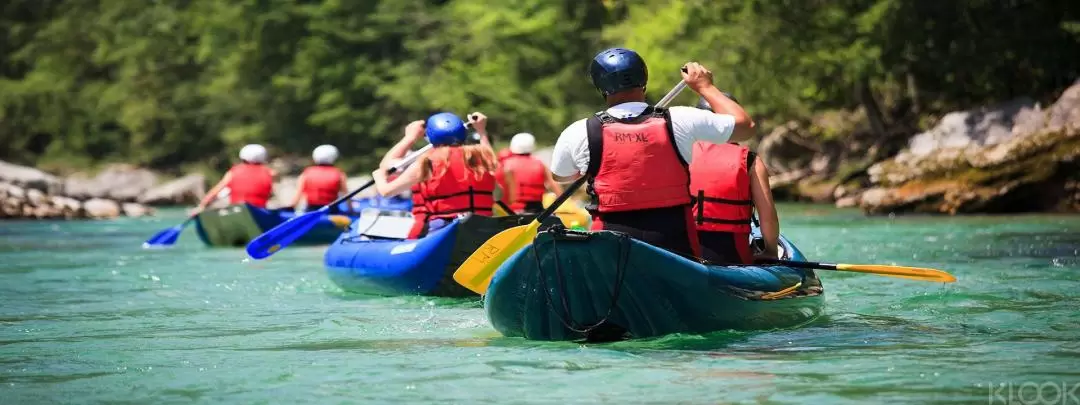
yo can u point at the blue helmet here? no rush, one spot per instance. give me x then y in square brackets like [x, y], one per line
[618, 69]
[445, 129]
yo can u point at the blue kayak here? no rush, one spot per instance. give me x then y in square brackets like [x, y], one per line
[374, 256]
[602, 286]
[238, 224]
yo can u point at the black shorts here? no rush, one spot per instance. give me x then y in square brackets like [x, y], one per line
[661, 227]
[725, 247]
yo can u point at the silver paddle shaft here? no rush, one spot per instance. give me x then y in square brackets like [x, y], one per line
[671, 94]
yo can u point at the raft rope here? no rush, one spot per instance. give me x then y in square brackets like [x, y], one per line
[566, 316]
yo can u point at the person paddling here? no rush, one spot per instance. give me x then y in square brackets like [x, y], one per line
[322, 183]
[250, 181]
[636, 156]
[452, 179]
[529, 175]
[728, 181]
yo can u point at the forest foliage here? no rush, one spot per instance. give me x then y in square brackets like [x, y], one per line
[175, 83]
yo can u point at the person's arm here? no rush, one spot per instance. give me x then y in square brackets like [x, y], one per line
[407, 179]
[761, 194]
[413, 132]
[570, 156]
[510, 192]
[699, 79]
[479, 123]
[344, 184]
[211, 195]
[299, 191]
[551, 184]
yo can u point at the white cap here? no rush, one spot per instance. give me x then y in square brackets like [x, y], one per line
[522, 143]
[324, 155]
[253, 153]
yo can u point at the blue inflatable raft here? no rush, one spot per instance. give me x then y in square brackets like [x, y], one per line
[374, 256]
[602, 286]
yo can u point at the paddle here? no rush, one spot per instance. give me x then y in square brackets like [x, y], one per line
[475, 273]
[167, 237]
[282, 235]
[911, 273]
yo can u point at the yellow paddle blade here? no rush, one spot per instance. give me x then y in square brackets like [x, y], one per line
[475, 273]
[913, 273]
[340, 221]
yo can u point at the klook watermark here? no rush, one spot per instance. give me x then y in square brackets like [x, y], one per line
[1034, 393]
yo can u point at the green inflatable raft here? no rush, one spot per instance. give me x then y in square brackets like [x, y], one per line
[602, 286]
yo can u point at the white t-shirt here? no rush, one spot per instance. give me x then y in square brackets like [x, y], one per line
[571, 153]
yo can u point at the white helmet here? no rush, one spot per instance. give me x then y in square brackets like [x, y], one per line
[253, 153]
[324, 155]
[522, 143]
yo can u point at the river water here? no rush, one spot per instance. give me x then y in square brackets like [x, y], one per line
[86, 316]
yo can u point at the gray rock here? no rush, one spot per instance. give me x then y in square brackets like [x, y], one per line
[186, 190]
[99, 208]
[121, 182]
[36, 198]
[11, 190]
[972, 128]
[847, 202]
[1065, 113]
[69, 207]
[135, 210]
[28, 177]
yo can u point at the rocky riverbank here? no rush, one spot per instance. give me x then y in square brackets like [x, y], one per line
[119, 190]
[1011, 157]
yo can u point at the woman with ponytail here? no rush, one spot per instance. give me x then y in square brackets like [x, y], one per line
[453, 179]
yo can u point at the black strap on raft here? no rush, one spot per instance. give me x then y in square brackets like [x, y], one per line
[472, 203]
[597, 331]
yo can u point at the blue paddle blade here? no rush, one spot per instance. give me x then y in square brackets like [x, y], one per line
[282, 235]
[164, 238]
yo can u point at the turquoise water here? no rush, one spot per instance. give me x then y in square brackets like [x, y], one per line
[88, 317]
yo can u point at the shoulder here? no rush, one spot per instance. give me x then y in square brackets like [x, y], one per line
[574, 129]
[689, 113]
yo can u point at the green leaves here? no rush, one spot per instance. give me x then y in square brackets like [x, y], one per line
[168, 83]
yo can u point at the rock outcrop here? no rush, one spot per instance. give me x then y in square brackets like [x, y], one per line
[30, 178]
[119, 182]
[32, 194]
[187, 190]
[1013, 157]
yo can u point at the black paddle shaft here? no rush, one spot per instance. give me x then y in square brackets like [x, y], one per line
[550, 210]
[370, 183]
[801, 265]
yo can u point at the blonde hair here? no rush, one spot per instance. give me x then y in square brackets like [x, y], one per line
[477, 158]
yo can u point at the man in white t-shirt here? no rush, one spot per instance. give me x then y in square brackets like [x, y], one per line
[637, 156]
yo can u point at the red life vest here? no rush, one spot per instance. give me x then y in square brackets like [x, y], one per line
[504, 153]
[250, 183]
[530, 176]
[419, 212]
[635, 164]
[720, 183]
[453, 188]
[321, 184]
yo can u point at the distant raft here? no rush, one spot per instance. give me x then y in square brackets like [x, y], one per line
[236, 225]
[374, 257]
[603, 286]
